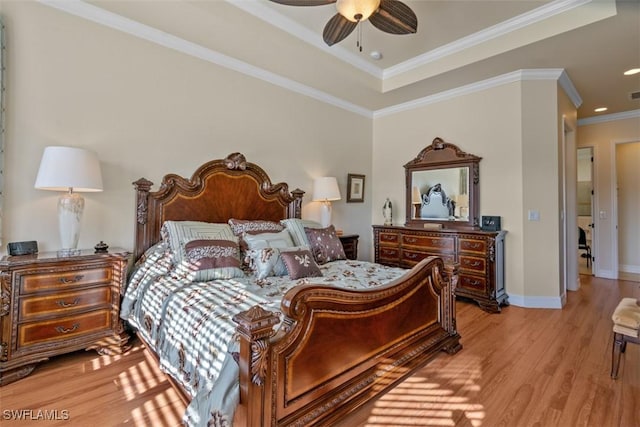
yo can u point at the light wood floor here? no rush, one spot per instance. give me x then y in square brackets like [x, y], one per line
[523, 367]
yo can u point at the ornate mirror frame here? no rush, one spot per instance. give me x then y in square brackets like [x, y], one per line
[438, 158]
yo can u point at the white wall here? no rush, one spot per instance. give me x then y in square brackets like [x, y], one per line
[628, 206]
[146, 111]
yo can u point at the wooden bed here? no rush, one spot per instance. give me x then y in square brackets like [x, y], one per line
[336, 349]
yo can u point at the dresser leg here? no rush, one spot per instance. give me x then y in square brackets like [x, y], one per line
[489, 306]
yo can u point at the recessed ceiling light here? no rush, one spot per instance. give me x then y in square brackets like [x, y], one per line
[632, 71]
[375, 55]
[600, 109]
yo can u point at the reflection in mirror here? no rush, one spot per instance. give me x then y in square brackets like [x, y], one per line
[441, 194]
[442, 187]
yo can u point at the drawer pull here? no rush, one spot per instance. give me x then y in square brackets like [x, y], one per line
[64, 330]
[438, 243]
[63, 303]
[474, 245]
[412, 256]
[472, 264]
[410, 239]
[474, 282]
[65, 280]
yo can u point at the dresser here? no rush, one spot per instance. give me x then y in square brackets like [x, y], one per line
[51, 305]
[479, 254]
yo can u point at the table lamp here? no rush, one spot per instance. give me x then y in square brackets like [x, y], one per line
[71, 170]
[325, 190]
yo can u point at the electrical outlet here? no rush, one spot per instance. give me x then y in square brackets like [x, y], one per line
[534, 215]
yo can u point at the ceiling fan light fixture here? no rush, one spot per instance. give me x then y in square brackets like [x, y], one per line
[357, 10]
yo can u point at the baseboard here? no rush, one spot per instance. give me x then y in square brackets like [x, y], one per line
[634, 269]
[607, 274]
[536, 302]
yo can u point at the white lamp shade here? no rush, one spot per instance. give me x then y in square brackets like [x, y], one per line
[65, 168]
[325, 189]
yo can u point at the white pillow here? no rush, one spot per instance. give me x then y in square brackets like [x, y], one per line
[281, 239]
[296, 226]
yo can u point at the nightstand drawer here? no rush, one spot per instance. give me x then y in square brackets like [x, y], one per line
[444, 244]
[62, 304]
[62, 280]
[63, 328]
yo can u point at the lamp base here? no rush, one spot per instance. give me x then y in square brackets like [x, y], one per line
[70, 207]
[325, 214]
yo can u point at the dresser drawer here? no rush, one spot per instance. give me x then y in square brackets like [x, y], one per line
[472, 283]
[435, 243]
[62, 304]
[472, 246]
[62, 280]
[64, 328]
[386, 238]
[410, 257]
[474, 264]
[391, 254]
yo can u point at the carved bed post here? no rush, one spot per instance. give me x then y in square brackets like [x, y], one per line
[255, 327]
[449, 303]
[142, 186]
[294, 210]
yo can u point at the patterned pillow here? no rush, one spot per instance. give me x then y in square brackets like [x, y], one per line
[281, 239]
[300, 264]
[178, 233]
[267, 262]
[209, 259]
[325, 244]
[242, 226]
[296, 228]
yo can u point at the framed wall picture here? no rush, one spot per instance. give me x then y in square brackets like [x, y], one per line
[355, 188]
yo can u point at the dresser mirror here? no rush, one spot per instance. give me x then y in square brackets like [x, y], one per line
[442, 187]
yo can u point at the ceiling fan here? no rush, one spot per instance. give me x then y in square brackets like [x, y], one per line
[390, 16]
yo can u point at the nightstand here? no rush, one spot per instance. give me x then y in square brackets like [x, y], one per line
[350, 245]
[51, 305]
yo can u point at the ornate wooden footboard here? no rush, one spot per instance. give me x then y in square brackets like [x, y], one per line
[339, 348]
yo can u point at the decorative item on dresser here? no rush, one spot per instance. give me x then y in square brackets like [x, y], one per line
[480, 255]
[350, 245]
[52, 305]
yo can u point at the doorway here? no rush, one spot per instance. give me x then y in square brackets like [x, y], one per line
[585, 198]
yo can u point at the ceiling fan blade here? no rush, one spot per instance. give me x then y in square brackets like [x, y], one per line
[304, 2]
[394, 17]
[337, 29]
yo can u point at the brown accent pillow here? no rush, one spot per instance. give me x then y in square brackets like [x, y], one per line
[213, 259]
[300, 264]
[325, 244]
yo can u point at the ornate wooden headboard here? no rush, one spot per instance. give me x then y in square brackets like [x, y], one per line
[217, 191]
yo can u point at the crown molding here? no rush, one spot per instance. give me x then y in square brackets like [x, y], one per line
[103, 17]
[100, 16]
[557, 74]
[632, 114]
